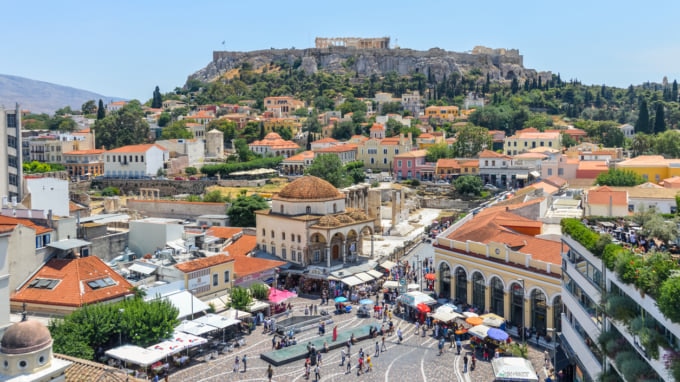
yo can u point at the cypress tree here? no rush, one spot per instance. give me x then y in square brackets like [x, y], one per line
[101, 112]
[157, 100]
[674, 91]
[642, 123]
[659, 119]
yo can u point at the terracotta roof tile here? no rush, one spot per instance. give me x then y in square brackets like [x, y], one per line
[203, 263]
[338, 148]
[447, 163]
[412, 154]
[241, 247]
[136, 148]
[224, 232]
[246, 265]
[492, 154]
[84, 370]
[84, 152]
[604, 195]
[301, 157]
[73, 289]
[8, 221]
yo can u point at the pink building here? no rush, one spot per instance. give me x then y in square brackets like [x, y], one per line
[412, 165]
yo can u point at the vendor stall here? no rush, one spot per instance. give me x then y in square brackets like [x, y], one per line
[391, 284]
[135, 355]
[479, 331]
[493, 320]
[514, 369]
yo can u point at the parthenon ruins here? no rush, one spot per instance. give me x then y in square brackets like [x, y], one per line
[353, 42]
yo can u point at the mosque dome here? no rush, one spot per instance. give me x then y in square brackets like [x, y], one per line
[310, 188]
[25, 337]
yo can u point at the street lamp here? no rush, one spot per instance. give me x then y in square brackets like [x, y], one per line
[120, 329]
[521, 281]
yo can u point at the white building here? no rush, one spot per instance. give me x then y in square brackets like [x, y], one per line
[136, 161]
[148, 235]
[628, 130]
[49, 194]
[194, 149]
[11, 159]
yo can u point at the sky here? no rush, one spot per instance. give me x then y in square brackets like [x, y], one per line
[126, 48]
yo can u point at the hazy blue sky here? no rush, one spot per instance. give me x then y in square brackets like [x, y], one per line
[126, 48]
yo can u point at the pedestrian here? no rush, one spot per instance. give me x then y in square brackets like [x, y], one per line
[244, 360]
[459, 345]
[496, 354]
[273, 342]
[343, 355]
[361, 352]
[317, 372]
[155, 378]
[236, 365]
[399, 334]
[369, 363]
[473, 362]
[306, 311]
[486, 353]
[308, 369]
[546, 356]
[318, 358]
[377, 349]
[360, 367]
[383, 347]
[270, 373]
[335, 333]
[424, 329]
[465, 363]
[349, 365]
[315, 310]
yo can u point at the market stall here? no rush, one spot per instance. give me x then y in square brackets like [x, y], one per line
[515, 369]
[493, 320]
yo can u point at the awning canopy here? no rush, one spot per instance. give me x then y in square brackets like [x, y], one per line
[135, 355]
[364, 277]
[375, 273]
[535, 174]
[257, 305]
[513, 369]
[522, 176]
[388, 264]
[143, 268]
[185, 302]
[351, 281]
[235, 314]
[415, 298]
[220, 322]
[195, 328]
[67, 244]
[391, 284]
[445, 316]
[480, 331]
[493, 320]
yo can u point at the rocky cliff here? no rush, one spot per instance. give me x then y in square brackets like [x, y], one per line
[500, 64]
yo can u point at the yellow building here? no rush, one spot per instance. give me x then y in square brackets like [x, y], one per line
[378, 154]
[448, 113]
[276, 123]
[494, 262]
[208, 275]
[652, 168]
[530, 138]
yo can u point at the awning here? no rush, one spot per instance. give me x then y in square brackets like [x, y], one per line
[257, 305]
[195, 328]
[220, 322]
[351, 281]
[135, 355]
[535, 174]
[522, 176]
[391, 284]
[185, 302]
[364, 277]
[388, 264]
[375, 273]
[145, 269]
[67, 244]
[445, 316]
[480, 331]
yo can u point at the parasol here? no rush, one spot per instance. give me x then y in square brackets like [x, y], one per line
[430, 276]
[341, 299]
[424, 308]
[366, 301]
[474, 321]
[497, 334]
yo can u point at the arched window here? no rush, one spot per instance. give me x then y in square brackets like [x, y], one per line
[309, 210]
[538, 311]
[497, 296]
[478, 291]
[444, 280]
[517, 306]
[461, 285]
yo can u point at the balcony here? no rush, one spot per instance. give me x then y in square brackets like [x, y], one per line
[585, 317]
[656, 364]
[587, 359]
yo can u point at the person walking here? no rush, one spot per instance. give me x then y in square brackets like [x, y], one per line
[473, 362]
[360, 365]
[244, 360]
[546, 356]
[343, 355]
[349, 365]
[308, 369]
[377, 349]
[270, 373]
[399, 335]
[369, 363]
[317, 372]
[383, 347]
[465, 363]
[459, 345]
[236, 365]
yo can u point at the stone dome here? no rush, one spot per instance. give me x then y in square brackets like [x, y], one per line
[329, 221]
[25, 337]
[310, 188]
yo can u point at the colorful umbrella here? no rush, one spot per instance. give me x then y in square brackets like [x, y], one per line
[474, 321]
[366, 301]
[461, 331]
[497, 334]
[424, 308]
[341, 299]
[430, 276]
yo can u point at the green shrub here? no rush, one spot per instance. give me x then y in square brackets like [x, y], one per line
[622, 308]
[669, 298]
[111, 191]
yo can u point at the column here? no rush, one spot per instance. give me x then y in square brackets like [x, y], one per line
[507, 304]
[344, 251]
[549, 318]
[328, 255]
[469, 290]
[487, 297]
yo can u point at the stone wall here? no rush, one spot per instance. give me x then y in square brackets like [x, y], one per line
[446, 204]
[176, 209]
[166, 187]
[109, 246]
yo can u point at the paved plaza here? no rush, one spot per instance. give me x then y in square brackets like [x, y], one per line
[415, 359]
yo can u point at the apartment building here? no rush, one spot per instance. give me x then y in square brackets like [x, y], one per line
[11, 159]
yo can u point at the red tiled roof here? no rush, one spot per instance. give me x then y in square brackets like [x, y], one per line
[604, 195]
[377, 126]
[245, 265]
[448, 163]
[203, 263]
[136, 148]
[492, 154]
[73, 290]
[241, 247]
[496, 224]
[224, 232]
[326, 140]
[300, 157]
[84, 152]
[338, 148]
[11, 222]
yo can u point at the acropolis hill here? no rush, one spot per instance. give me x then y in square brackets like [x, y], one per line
[368, 56]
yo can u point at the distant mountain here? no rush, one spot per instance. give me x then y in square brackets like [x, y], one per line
[43, 97]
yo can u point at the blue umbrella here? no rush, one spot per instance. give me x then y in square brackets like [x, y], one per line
[341, 299]
[497, 334]
[366, 301]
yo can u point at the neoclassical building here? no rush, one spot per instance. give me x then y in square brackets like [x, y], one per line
[494, 261]
[310, 222]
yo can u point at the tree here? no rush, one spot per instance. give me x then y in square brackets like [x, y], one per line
[329, 168]
[176, 130]
[668, 144]
[642, 123]
[343, 130]
[164, 119]
[468, 185]
[612, 136]
[470, 140]
[619, 178]
[242, 210]
[240, 298]
[242, 150]
[89, 107]
[259, 291]
[157, 100]
[438, 151]
[214, 196]
[659, 119]
[668, 298]
[191, 170]
[123, 127]
[101, 111]
[568, 140]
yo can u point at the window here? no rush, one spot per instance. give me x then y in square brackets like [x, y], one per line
[283, 236]
[560, 171]
[136, 158]
[273, 234]
[408, 163]
[300, 257]
[283, 253]
[549, 172]
[12, 121]
[396, 151]
[385, 151]
[12, 141]
[317, 256]
[384, 160]
[372, 160]
[264, 233]
[141, 159]
[215, 280]
[40, 283]
[549, 144]
[399, 164]
[525, 144]
[493, 163]
[486, 163]
[308, 209]
[226, 276]
[542, 143]
[335, 208]
[298, 238]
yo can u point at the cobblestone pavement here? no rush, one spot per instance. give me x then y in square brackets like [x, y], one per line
[416, 359]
